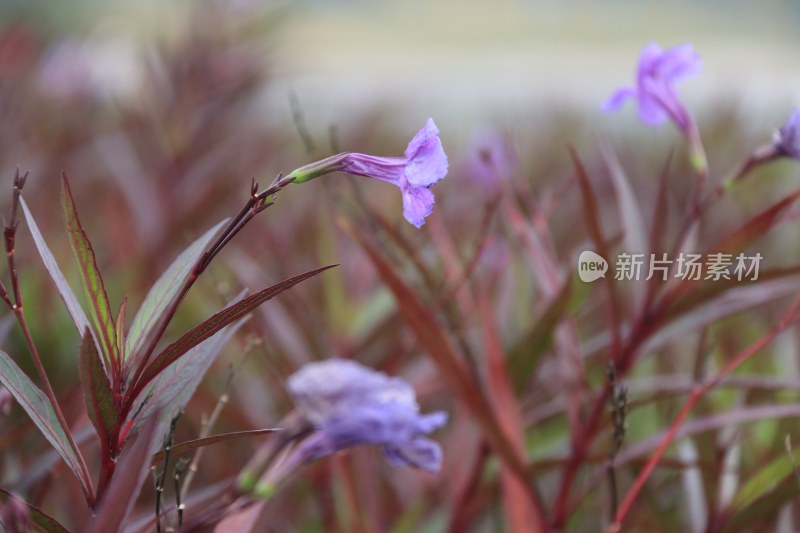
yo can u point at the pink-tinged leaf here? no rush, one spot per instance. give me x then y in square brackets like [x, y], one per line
[98, 394]
[190, 445]
[132, 469]
[519, 507]
[633, 222]
[119, 327]
[175, 385]
[211, 326]
[90, 277]
[242, 520]
[435, 341]
[35, 403]
[165, 290]
[64, 290]
[736, 299]
[592, 217]
[757, 226]
[38, 517]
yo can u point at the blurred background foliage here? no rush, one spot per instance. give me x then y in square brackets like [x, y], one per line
[162, 113]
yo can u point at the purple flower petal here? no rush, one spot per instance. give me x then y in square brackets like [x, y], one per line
[426, 160]
[787, 139]
[424, 164]
[349, 404]
[656, 75]
[618, 98]
[417, 204]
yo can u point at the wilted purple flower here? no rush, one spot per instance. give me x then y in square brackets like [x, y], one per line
[656, 76]
[787, 139]
[349, 404]
[424, 164]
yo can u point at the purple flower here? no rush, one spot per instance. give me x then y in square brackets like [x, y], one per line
[349, 404]
[787, 139]
[424, 164]
[654, 92]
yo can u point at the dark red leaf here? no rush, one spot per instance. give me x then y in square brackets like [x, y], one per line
[208, 328]
[97, 393]
[90, 277]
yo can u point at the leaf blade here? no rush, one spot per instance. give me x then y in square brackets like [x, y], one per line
[50, 264]
[97, 393]
[34, 402]
[211, 326]
[193, 444]
[91, 280]
[164, 290]
[37, 516]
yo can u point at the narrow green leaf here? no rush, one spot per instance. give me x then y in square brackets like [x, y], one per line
[36, 515]
[97, 393]
[34, 402]
[64, 290]
[208, 328]
[90, 276]
[164, 290]
[763, 482]
[190, 445]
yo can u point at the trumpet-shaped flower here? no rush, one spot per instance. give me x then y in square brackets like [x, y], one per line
[349, 404]
[655, 94]
[787, 139]
[423, 164]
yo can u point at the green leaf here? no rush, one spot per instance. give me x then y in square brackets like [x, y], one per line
[211, 326]
[98, 394]
[92, 281]
[164, 291]
[36, 515]
[34, 402]
[763, 482]
[64, 290]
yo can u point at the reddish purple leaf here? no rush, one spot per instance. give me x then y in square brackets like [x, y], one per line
[98, 394]
[64, 290]
[36, 515]
[435, 341]
[211, 326]
[164, 290]
[35, 403]
[90, 276]
[190, 445]
[132, 470]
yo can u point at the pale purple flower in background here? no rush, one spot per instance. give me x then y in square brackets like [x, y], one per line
[490, 159]
[424, 164]
[787, 139]
[655, 94]
[350, 404]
